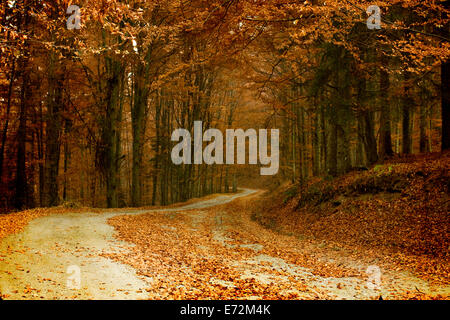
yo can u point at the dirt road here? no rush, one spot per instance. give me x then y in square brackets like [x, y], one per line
[38, 262]
[43, 261]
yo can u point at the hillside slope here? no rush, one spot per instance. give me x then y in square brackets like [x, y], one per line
[398, 211]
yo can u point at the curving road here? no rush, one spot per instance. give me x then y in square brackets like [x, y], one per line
[42, 261]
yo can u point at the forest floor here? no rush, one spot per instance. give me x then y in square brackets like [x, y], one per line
[396, 214]
[37, 248]
[211, 248]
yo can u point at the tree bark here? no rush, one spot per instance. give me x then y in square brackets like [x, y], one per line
[21, 175]
[406, 105]
[53, 136]
[423, 138]
[138, 117]
[332, 150]
[385, 120]
[111, 130]
[8, 111]
[445, 92]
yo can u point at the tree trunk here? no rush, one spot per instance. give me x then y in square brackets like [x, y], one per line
[8, 111]
[385, 121]
[360, 159]
[67, 128]
[21, 176]
[21, 184]
[423, 139]
[110, 132]
[445, 92]
[332, 150]
[53, 136]
[366, 124]
[138, 112]
[368, 137]
[156, 147]
[406, 105]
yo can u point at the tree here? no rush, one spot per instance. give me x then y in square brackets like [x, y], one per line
[445, 82]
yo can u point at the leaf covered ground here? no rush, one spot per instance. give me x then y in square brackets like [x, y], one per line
[14, 222]
[309, 242]
[397, 212]
[223, 253]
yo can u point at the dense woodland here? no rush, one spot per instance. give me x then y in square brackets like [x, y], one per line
[86, 115]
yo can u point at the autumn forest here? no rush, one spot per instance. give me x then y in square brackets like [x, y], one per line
[91, 93]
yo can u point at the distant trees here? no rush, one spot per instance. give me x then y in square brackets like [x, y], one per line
[356, 85]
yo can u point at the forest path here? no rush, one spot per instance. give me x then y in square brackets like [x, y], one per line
[38, 262]
[169, 253]
[220, 252]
